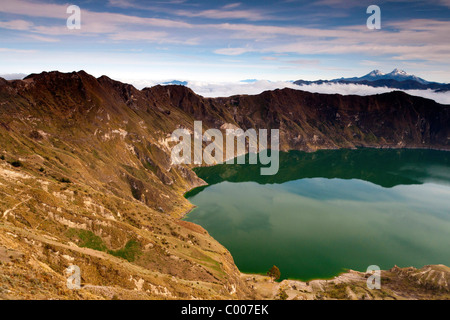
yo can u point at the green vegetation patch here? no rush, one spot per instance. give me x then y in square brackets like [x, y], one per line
[88, 239]
[130, 252]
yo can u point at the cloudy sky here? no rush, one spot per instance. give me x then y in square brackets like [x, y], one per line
[204, 40]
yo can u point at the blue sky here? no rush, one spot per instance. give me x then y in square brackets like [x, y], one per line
[226, 40]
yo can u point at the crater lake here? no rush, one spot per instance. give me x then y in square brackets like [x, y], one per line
[329, 211]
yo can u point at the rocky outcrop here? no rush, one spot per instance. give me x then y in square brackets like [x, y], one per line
[429, 282]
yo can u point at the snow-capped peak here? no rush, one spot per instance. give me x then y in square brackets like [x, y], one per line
[398, 72]
[376, 73]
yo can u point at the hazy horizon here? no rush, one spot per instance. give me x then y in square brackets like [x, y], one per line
[254, 86]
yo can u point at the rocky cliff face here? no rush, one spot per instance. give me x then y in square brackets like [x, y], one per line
[86, 177]
[309, 121]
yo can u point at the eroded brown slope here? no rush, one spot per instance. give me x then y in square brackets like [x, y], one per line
[96, 173]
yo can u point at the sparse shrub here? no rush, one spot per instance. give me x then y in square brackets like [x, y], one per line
[338, 291]
[36, 135]
[274, 273]
[283, 295]
[16, 163]
[2, 157]
[65, 180]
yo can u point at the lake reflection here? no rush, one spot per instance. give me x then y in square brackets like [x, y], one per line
[330, 210]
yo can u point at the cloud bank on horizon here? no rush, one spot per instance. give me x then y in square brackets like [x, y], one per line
[213, 90]
[253, 87]
[226, 41]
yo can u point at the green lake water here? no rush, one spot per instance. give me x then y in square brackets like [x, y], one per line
[331, 210]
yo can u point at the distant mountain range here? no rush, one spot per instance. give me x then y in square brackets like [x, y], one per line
[397, 79]
[175, 83]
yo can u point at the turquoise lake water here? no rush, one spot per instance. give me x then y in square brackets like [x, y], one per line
[329, 211]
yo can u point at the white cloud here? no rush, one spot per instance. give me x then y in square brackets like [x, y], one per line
[42, 39]
[230, 89]
[16, 25]
[232, 51]
[223, 13]
[270, 58]
[13, 76]
[445, 3]
[122, 4]
[223, 89]
[11, 50]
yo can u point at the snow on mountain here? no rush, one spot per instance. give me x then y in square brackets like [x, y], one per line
[396, 74]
